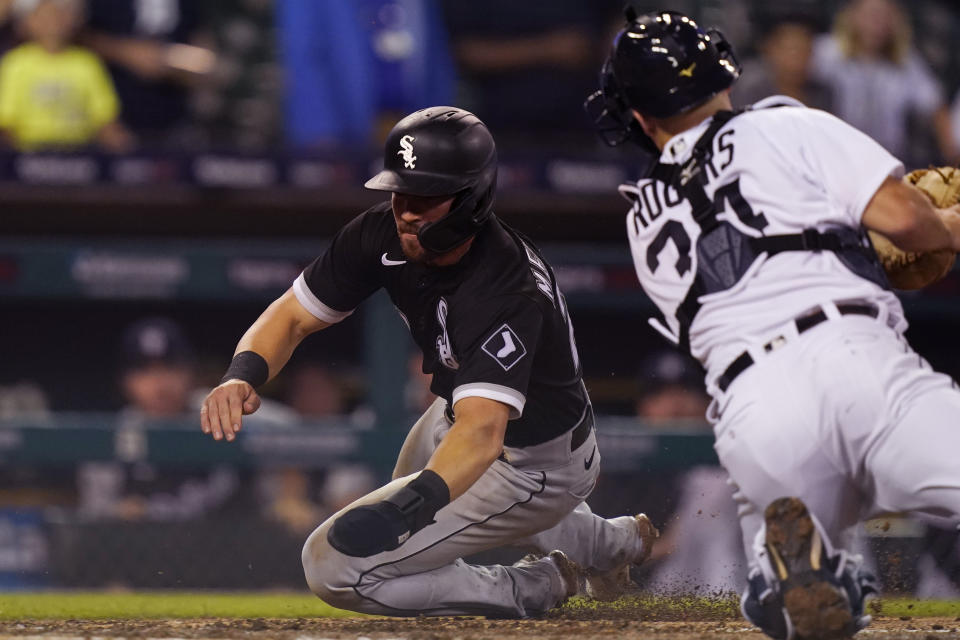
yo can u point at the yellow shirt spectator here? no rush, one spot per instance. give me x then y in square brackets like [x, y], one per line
[54, 99]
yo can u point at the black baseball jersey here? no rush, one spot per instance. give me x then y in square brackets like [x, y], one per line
[494, 325]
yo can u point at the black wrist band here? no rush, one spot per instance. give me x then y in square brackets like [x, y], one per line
[248, 366]
[421, 498]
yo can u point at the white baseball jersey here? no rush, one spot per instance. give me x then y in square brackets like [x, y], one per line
[774, 170]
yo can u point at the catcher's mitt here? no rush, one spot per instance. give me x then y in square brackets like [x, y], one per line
[917, 269]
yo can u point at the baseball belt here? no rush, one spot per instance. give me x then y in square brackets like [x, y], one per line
[803, 323]
[577, 436]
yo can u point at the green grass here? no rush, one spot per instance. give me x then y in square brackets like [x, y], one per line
[917, 608]
[80, 605]
[162, 604]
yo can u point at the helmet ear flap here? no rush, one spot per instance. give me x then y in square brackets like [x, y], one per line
[469, 212]
[483, 206]
[455, 228]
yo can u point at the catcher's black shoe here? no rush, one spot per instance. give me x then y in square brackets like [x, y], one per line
[803, 589]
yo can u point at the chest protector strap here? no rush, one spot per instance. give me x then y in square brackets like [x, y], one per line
[724, 253]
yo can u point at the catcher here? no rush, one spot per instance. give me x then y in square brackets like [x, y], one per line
[748, 235]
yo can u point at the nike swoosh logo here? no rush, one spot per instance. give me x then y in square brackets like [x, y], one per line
[387, 262]
[589, 461]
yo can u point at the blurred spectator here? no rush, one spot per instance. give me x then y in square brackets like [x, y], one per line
[667, 395]
[157, 380]
[157, 363]
[353, 66]
[879, 81]
[288, 494]
[671, 388]
[23, 400]
[285, 493]
[158, 370]
[314, 391]
[8, 35]
[240, 105]
[318, 392]
[701, 548]
[344, 484]
[955, 120]
[516, 57]
[783, 67]
[939, 565]
[54, 94]
[155, 51]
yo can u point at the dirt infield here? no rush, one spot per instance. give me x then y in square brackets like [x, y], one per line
[630, 618]
[626, 623]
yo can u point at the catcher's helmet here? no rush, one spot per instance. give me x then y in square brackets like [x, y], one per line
[661, 64]
[443, 151]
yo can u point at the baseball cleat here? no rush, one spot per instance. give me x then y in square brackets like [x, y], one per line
[816, 603]
[613, 583]
[569, 573]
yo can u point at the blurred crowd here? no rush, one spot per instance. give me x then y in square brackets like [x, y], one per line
[121, 75]
[161, 381]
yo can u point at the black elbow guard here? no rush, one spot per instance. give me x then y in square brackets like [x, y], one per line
[420, 499]
[371, 529]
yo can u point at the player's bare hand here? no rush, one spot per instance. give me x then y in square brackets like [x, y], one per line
[223, 409]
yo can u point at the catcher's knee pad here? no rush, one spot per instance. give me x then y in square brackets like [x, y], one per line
[790, 595]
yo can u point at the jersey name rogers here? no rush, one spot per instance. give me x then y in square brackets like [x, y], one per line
[654, 197]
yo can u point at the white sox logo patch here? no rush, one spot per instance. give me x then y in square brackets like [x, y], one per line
[406, 150]
[505, 347]
[444, 348]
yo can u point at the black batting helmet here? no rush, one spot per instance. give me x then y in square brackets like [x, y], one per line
[661, 64]
[443, 151]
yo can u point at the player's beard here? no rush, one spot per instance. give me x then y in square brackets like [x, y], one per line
[411, 247]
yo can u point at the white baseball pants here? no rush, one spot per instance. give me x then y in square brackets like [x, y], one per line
[848, 418]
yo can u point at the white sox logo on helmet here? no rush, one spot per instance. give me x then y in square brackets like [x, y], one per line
[406, 150]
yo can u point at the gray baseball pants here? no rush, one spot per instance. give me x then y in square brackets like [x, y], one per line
[535, 501]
